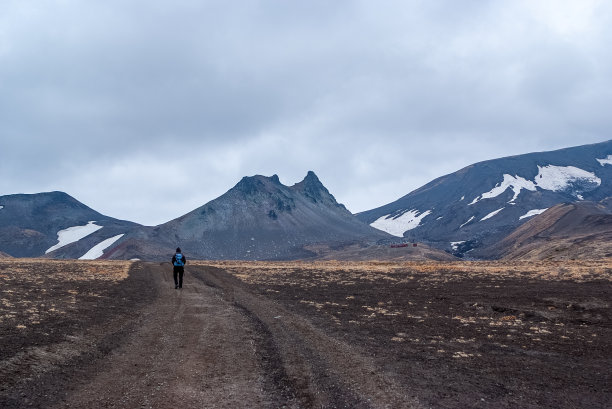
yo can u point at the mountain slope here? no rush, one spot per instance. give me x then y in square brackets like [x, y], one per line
[579, 230]
[53, 224]
[259, 218]
[474, 207]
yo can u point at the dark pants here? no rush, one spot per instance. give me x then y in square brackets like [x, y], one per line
[178, 270]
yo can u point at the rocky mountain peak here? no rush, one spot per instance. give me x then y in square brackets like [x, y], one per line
[250, 185]
[313, 189]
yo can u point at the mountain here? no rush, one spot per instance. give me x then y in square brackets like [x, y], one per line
[471, 209]
[259, 218]
[53, 224]
[579, 230]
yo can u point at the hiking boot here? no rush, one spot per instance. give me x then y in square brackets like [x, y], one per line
[175, 287]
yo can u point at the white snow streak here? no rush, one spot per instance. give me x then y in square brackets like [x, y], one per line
[533, 213]
[72, 234]
[455, 244]
[399, 224]
[557, 178]
[471, 218]
[605, 161]
[516, 183]
[493, 213]
[1, 207]
[97, 250]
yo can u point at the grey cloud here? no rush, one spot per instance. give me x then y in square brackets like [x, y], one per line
[375, 97]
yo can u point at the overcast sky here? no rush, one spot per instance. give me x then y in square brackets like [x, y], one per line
[145, 110]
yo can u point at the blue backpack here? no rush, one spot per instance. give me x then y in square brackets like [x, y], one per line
[178, 260]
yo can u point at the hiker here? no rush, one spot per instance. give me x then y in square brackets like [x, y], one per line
[178, 261]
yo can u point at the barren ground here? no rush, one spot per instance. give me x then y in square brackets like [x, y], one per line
[329, 334]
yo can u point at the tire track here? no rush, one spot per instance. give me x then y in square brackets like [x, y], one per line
[309, 368]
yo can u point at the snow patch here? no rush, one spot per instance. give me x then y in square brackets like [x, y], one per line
[471, 218]
[516, 183]
[533, 212]
[399, 224]
[72, 234]
[462, 197]
[550, 177]
[97, 250]
[493, 213]
[455, 244]
[1, 207]
[558, 178]
[605, 161]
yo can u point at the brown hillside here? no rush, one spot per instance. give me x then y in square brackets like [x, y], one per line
[567, 231]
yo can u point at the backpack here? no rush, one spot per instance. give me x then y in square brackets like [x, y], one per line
[178, 260]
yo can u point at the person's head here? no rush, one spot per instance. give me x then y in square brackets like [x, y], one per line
[178, 249]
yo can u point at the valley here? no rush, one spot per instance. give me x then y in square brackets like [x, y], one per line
[306, 334]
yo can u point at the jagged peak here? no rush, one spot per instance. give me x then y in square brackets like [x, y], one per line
[251, 184]
[312, 188]
[312, 177]
[310, 181]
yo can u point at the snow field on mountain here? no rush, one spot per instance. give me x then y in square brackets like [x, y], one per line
[97, 250]
[557, 178]
[533, 212]
[72, 234]
[493, 213]
[605, 161]
[550, 177]
[398, 225]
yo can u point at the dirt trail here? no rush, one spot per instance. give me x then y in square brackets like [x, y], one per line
[213, 344]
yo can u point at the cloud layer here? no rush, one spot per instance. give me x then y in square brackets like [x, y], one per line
[145, 110]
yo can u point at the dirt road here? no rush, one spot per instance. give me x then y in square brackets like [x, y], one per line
[212, 344]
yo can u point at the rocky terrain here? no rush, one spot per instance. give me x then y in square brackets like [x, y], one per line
[302, 335]
[259, 218]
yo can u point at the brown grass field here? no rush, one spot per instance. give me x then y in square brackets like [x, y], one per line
[432, 334]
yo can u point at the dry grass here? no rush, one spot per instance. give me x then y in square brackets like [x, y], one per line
[33, 290]
[256, 272]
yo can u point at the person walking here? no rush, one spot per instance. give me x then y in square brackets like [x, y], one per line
[178, 261]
